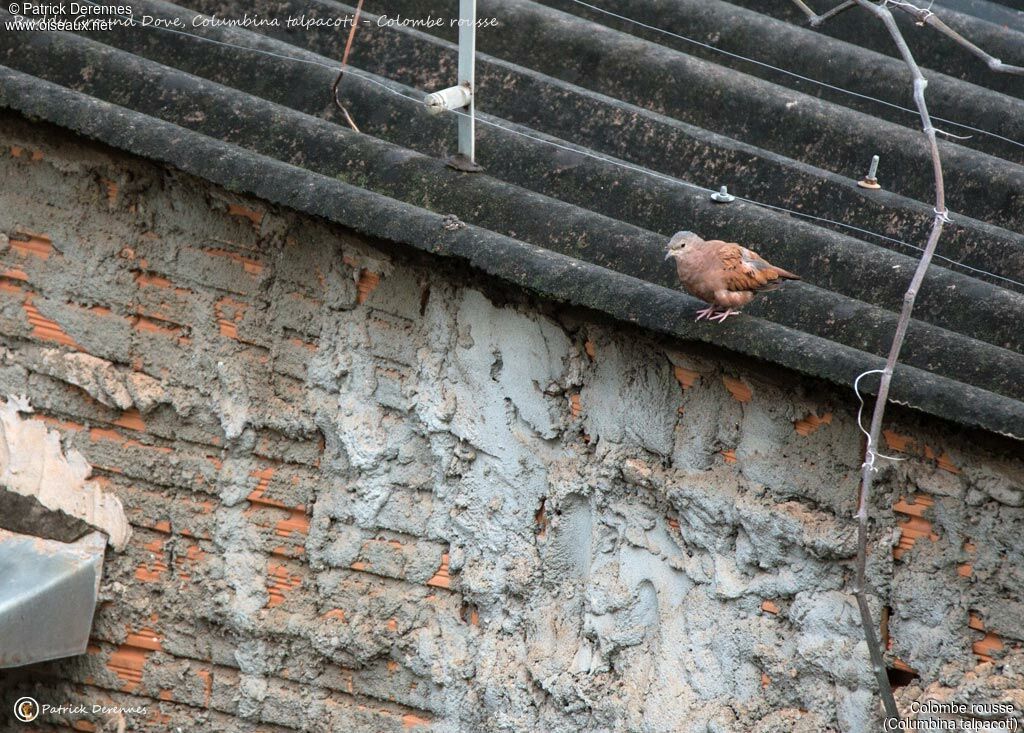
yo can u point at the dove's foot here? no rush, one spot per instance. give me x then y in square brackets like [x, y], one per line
[720, 317]
[706, 312]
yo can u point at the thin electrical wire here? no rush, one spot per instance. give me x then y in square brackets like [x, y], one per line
[576, 149]
[885, 237]
[793, 73]
[671, 179]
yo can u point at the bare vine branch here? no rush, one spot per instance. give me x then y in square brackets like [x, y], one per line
[921, 15]
[815, 20]
[929, 18]
[868, 469]
[344, 64]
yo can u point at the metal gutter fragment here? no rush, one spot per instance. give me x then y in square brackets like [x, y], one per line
[48, 594]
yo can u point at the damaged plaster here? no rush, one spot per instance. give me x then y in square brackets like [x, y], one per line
[33, 465]
[373, 492]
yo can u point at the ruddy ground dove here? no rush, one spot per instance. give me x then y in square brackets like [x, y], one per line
[724, 274]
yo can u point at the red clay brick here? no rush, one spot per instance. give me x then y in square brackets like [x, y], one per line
[367, 283]
[441, 578]
[738, 389]
[129, 660]
[254, 216]
[686, 377]
[31, 244]
[812, 422]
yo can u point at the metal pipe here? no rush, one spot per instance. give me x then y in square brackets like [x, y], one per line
[450, 98]
[467, 76]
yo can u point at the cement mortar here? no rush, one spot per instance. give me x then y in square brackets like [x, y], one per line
[639, 536]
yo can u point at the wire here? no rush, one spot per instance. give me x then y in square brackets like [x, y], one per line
[574, 148]
[272, 54]
[589, 154]
[671, 179]
[793, 73]
[885, 237]
[870, 453]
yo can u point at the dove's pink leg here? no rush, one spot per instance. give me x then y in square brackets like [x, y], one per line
[720, 317]
[706, 313]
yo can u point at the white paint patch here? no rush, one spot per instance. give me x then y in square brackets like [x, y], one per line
[32, 464]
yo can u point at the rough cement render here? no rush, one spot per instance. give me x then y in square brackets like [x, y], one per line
[374, 492]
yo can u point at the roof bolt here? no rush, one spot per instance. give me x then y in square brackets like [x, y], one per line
[869, 181]
[723, 196]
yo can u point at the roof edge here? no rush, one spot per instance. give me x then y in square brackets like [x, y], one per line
[623, 297]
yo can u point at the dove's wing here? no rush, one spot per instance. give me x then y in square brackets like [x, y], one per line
[743, 270]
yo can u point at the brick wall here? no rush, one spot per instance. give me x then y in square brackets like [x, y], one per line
[371, 491]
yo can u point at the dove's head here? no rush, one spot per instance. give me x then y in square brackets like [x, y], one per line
[679, 242]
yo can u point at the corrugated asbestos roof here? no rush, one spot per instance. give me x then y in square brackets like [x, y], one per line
[580, 228]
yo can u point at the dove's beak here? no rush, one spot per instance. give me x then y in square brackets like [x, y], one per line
[668, 254]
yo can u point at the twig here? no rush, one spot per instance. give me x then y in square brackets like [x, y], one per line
[929, 18]
[868, 469]
[815, 20]
[344, 63]
[922, 15]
